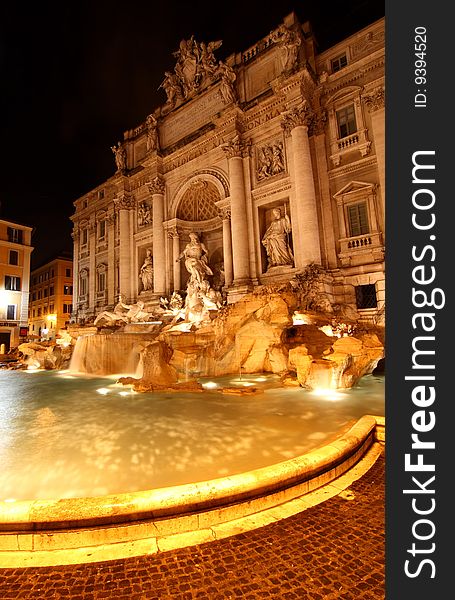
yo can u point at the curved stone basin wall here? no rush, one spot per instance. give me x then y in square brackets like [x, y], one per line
[28, 528]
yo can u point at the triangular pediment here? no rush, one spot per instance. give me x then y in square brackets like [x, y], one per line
[353, 187]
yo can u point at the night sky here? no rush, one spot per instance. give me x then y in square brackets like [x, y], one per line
[76, 75]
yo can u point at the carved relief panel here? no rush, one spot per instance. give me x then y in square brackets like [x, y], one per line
[270, 159]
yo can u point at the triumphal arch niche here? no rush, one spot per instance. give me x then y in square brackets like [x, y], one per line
[273, 157]
[198, 208]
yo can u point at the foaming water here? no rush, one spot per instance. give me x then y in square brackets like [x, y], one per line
[64, 436]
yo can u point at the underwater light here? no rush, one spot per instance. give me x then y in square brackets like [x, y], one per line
[328, 394]
[210, 385]
[103, 391]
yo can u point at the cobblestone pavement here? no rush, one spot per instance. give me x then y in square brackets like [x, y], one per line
[334, 550]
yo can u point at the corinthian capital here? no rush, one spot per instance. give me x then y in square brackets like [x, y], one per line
[124, 202]
[174, 232]
[157, 185]
[297, 116]
[225, 213]
[375, 99]
[236, 147]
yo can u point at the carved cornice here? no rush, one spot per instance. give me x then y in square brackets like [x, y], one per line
[298, 116]
[157, 185]
[124, 202]
[375, 100]
[237, 147]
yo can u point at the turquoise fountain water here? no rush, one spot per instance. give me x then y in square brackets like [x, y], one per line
[65, 436]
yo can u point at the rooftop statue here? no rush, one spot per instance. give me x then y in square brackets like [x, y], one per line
[196, 67]
[120, 156]
[289, 43]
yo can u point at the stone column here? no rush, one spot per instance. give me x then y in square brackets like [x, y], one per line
[156, 187]
[124, 204]
[75, 236]
[235, 150]
[92, 283]
[327, 217]
[110, 225]
[227, 246]
[341, 219]
[307, 244]
[174, 234]
[375, 103]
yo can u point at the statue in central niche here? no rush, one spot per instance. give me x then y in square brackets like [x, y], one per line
[196, 261]
[200, 296]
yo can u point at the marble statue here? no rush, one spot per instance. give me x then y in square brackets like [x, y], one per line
[171, 86]
[228, 78]
[275, 240]
[126, 313]
[146, 271]
[201, 298]
[196, 261]
[120, 156]
[152, 133]
[196, 67]
[289, 43]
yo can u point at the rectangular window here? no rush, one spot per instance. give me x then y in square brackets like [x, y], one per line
[358, 219]
[83, 286]
[101, 282]
[12, 283]
[84, 237]
[13, 257]
[10, 312]
[67, 272]
[67, 290]
[33, 296]
[39, 312]
[339, 63]
[68, 308]
[51, 308]
[51, 290]
[52, 272]
[365, 296]
[45, 292]
[14, 235]
[101, 229]
[40, 294]
[346, 121]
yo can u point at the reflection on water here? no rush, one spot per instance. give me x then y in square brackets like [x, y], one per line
[64, 436]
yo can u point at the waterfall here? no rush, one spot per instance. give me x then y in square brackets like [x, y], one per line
[107, 354]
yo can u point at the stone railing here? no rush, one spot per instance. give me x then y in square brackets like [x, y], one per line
[357, 141]
[360, 242]
[257, 49]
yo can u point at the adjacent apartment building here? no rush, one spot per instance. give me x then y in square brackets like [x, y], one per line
[51, 297]
[15, 252]
[275, 136]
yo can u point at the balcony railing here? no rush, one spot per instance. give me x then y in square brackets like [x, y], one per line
[357, 141]
[361, 249]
